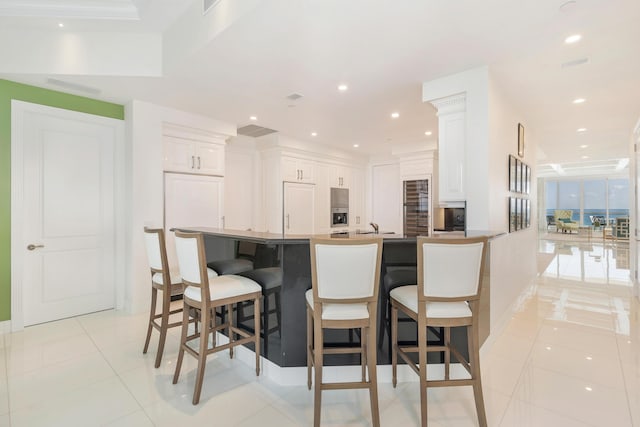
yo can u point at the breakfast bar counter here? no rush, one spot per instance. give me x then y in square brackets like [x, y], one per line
[289, 255]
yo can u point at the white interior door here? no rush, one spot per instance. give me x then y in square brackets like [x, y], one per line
[298, 208]
[64, 218]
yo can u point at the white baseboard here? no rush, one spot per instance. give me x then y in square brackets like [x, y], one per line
[5, 327]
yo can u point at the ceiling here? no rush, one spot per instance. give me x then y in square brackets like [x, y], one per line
[384, 50]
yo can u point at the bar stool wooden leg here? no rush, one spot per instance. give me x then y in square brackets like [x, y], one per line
[256, 332]
[422, 360]
[164, 326]
[373, 376]
[317, 364]
[474, 360]
[152, 313]
[202, 356]
[309, 343]
[230, 329]
[363, 353]
[394, 349]
[447, 352]
[183, 341]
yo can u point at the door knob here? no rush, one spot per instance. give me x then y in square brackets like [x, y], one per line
[32, 247]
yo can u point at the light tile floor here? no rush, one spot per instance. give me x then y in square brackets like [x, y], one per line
[570, 356]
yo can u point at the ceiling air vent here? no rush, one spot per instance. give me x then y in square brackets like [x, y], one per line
[575, 62]
[207, 5]
[294, 96]
[254, 131]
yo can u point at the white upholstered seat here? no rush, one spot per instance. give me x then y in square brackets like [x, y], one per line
[340, 311]
[175, 277]
[226, 286]
[406, 295]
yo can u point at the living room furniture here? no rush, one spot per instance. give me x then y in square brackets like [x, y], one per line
[551, 222]
[621, 229]
[564, 222]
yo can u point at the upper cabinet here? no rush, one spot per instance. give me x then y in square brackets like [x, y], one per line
[193, 153]
[339, 176]
[297, 170]
[451, 148]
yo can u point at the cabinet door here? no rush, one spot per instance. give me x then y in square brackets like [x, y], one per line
[306, 168]
[322, 208]
[209, 158]
[298, 208]
[179, 154]
[290, 170]
[340, 176]
[356, 199]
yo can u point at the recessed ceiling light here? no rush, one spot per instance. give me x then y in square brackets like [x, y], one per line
[579, 100]
[573, 39]
[356, 145]
[588, 388]
[584, 146]
[395, 115]
[581, 130]
[585, 157]
[343, 87]
[254, 118]
[60, 24]
[428, 133]
[314, 133]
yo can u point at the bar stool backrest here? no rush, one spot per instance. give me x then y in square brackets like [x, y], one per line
[450, 268]
[192, 261]
[345, 270]
[156, 251]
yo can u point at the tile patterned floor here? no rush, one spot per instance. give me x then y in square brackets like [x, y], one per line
[570, 356]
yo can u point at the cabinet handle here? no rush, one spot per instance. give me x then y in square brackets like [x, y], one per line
[193, 162]
[287, 221]
[357, 220]
[301, 173]
[297, 174]
[198, 162]
[223, 221]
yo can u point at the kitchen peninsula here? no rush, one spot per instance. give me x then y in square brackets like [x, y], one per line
[285, 346]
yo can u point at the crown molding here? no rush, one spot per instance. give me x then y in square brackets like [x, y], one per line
[104, 9]
[451, 104]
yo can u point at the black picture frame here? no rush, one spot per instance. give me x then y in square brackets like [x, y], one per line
[518, 176]
[527, 179]
[512, 173]
[512, 214]
[527, 215]
[518, 214]
[520, 140]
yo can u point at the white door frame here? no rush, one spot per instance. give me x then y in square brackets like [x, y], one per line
[18, 110]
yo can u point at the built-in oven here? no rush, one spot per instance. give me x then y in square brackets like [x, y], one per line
[339, 207]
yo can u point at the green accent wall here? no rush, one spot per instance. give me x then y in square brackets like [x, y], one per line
[11, 90]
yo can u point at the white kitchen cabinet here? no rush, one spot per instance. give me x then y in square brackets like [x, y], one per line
[193, 156]
[322, 218]
[297, 170]
[298, 208]
[340, 176]
[357, 219]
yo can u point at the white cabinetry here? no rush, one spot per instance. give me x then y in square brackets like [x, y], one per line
[297, 170]
[451, 148]
[183, 154]
[298, 208]
[339, 176]
[356, 199]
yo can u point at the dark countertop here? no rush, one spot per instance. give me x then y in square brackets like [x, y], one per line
[275, 238]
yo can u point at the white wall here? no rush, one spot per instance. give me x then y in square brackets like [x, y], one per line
[386, 197]
[144, 123]
[513, 257]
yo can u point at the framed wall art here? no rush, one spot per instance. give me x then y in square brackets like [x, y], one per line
[512, 173]
[520, 140]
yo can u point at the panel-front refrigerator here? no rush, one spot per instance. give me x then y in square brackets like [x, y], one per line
[417, 207]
